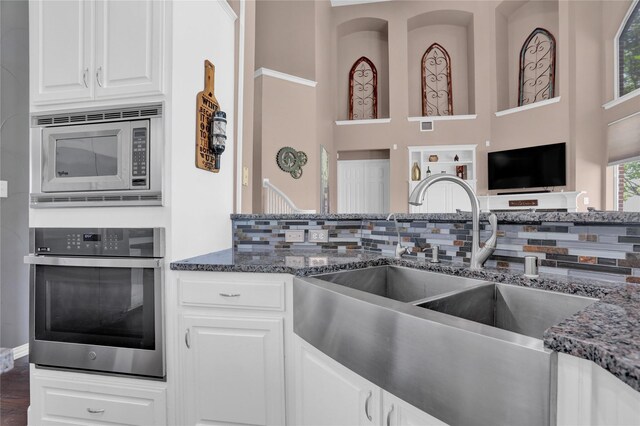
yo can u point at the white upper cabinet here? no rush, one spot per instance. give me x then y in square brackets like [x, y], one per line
[128, 46]
[86, 50]
[60, 50]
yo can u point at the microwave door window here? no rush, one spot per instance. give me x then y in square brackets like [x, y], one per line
[90, 156]
[98, 306]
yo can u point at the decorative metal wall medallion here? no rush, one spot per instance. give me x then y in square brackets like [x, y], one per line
[291, 161]
[537, 67]
[363, 90]
[437, 96]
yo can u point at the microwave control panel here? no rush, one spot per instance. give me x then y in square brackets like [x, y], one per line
[139, 156]
[121, 242]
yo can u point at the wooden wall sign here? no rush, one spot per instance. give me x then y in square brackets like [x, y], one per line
[523, 203]
[206, 105]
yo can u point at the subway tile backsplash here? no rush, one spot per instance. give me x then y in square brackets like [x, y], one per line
[576, 250]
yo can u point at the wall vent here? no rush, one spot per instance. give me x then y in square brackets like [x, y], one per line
[103, 115]
[96, 200]
[426, 126]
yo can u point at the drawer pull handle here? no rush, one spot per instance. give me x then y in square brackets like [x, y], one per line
[187, 338]
[389, 415]
[366, 406]
[230, 294]
[84, 77]
[95, 410]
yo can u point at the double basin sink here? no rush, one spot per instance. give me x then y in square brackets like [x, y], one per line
[466, 351]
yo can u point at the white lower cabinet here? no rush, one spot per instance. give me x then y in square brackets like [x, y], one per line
[234, 368]
[588, 395]
[397, 412]
[328, 393]
[231, 348]
[67, 398]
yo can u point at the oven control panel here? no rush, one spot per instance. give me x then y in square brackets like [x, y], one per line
[121, 242]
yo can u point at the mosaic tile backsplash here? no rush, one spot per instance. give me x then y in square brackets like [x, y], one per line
[599, 251]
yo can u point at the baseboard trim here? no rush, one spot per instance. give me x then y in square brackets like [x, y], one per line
[20, 351]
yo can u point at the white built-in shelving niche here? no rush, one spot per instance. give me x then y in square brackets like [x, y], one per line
[443, 197]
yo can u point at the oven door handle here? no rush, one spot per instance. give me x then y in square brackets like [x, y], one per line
[94, 262]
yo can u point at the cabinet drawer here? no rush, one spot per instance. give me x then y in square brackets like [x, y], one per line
[81, 403]
[236, 294]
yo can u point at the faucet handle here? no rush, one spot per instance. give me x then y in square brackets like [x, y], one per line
[492, 241]
[493, 220]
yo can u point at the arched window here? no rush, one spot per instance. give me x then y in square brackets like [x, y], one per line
[537, 67]
[363, 90]
[629, 52]
[436, 82]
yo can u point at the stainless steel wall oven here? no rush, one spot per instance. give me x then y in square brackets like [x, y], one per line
[96, 299]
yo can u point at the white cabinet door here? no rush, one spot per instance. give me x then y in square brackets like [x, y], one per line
[128, 48]
[233, 371]
[60, 50]
[443, 197]
[458, 199]
[363, 186]
[328, 393]
[397, 412]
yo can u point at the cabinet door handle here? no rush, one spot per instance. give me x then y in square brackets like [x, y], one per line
[187, 338]
[95, 410]
[366, 406]
[98, 72]
[84, 77]
[389, 415]
[230, 294]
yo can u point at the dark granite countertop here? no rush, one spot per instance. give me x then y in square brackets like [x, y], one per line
[607, 332]
[524, 216]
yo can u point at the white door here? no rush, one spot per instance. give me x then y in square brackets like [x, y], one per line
[328, 393]
[128, 47]
[60, 50]
[363, 186]
[397, 412]
[233, 371]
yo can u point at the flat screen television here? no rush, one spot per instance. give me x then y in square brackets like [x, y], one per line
[534, 167]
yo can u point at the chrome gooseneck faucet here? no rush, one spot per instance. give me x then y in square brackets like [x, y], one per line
[399, 249]
[479, 255]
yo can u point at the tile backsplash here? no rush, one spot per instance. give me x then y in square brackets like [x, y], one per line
[599, 251]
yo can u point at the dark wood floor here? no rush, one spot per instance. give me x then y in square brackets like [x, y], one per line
[14, 394]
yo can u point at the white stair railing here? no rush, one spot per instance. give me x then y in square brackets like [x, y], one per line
[276, 202]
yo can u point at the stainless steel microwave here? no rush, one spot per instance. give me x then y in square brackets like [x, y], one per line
[106, 157]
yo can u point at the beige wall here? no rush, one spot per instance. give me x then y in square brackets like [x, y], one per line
[372, 154]
[287, 118]
[325, 101]
[285, 37]
[587, 132]
[493, 38]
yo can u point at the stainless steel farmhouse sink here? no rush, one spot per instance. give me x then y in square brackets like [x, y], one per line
[403, 284]
[474, 356]
[518, 309]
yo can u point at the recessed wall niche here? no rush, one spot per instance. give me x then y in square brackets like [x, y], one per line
[515, 21]
[453, 30]
[360, 37]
